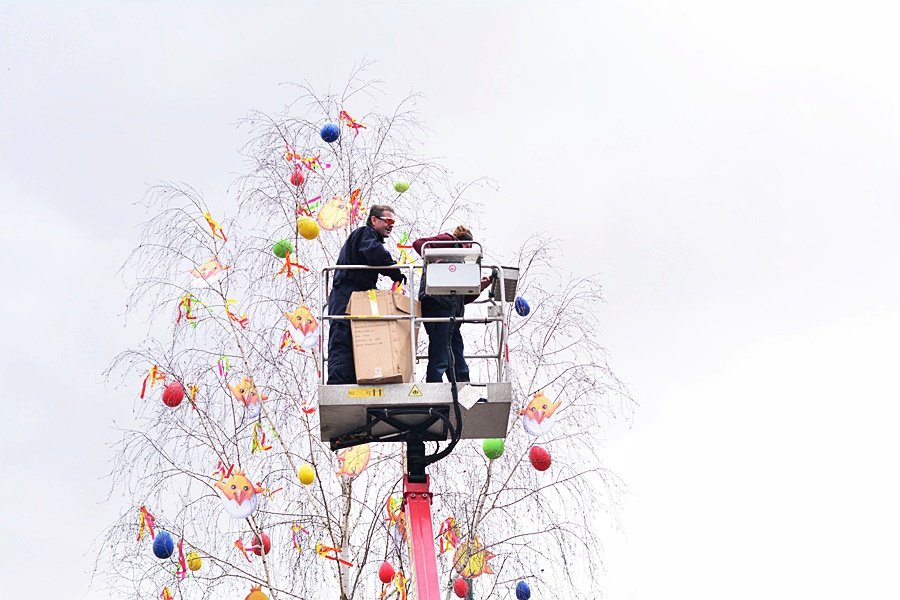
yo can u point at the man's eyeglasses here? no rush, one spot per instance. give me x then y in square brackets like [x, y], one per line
[388, 221]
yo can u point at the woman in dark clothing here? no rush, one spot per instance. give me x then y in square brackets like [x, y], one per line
[440, 335]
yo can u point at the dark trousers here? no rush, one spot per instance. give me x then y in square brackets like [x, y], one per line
[341, 369]
[440, 335]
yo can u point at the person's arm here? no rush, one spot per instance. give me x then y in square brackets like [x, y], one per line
[485, 282]
[372, 249]
[441, 237]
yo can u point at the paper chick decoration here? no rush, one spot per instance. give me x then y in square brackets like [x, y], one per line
[304, 328]
[256, 594]
[244, 391]
[537, 415]
[239, 495]
[209, 273]
[353, 460]
[334, 214]
[471, 559]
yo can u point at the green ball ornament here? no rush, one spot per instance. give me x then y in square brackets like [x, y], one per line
[401, 185]
[493, 448]
[282, 247]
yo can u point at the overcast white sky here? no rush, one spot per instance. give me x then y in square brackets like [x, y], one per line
[729, 168]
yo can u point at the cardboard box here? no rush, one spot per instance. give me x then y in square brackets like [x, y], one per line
[382, 350]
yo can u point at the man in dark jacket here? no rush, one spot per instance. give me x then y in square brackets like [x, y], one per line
[441, 335]
[364, 246]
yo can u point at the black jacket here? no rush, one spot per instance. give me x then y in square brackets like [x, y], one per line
[364, 246]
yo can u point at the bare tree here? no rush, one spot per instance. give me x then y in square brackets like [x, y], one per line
[215, 298]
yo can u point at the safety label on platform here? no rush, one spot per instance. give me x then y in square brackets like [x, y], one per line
[415, 392]
[365, 392]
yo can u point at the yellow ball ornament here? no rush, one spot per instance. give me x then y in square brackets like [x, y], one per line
[306, 474]
[307, 228]
[194, 562]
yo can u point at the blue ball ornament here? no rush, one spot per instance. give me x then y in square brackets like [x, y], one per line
[523, 592]
[330, 132]
[522, 307]
[163, 545]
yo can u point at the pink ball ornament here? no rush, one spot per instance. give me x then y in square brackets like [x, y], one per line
[460, 587]
[264, 548]
[297, 177]
[540, 458]
[173, 394]
[386, 572]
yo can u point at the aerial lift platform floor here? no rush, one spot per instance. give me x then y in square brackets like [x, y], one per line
[346, 408]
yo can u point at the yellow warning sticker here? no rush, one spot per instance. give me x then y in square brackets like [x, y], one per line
[365, 392]
[415, 392]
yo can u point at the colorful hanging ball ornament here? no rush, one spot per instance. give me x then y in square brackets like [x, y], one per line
[297, 177]
[523, 592]
[540, 458]
[163, 545]
[173, 394]
[194, 562]
[522, 307]
[307, 227]
[306, 474]
[260, 549]
[386, 572]
[493, 448]
[330, 132]
[282, 247]
[460, 587]
[401, 185]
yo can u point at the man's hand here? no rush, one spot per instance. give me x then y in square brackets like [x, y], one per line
[485, 282]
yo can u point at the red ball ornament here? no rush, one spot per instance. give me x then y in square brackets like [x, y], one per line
[540, 458]
[173, 394]
[386, 572]
[297, 177]
[266, 545]
[460, 587]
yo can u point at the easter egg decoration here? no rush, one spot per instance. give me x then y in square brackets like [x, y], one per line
[163, 545]
[540, 458]
[173, 394]
[522, 308]
[493, 448]
[330, 132]
[386, 572]
[306, 474]
[297, 177]
[523, 592]
[282, 248]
